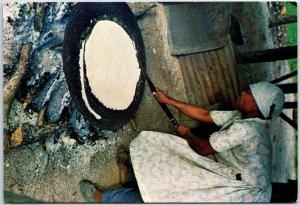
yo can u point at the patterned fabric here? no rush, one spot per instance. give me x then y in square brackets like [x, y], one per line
[222, 117]
[168, 170]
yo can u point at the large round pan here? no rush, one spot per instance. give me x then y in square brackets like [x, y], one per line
[82, 20]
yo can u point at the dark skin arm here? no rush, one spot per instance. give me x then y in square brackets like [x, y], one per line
[201, 146]
[195, 112]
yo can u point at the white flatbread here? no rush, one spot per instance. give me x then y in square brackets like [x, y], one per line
[112, 67]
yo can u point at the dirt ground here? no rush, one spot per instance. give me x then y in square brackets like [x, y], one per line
[52, 174]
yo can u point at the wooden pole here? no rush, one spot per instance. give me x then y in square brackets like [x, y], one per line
[267, 55]
[288, 87]
[290, 105]
[292, 74]
[282, 21]
[289, 121]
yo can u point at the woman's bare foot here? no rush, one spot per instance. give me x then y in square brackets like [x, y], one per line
[90, 192]
[98, 196]
[123, 170]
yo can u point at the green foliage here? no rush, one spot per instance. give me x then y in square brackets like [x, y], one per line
[292, 33]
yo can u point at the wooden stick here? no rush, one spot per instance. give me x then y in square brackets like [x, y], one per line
[28, 134]
[41, 116]
[11, 88]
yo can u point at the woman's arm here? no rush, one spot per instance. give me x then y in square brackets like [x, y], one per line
[201, 146]
[195, 112]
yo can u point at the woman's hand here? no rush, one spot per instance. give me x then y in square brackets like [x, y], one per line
[162, 97]
[199, 145]
[183, 131]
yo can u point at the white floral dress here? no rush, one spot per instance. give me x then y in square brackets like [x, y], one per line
[168, 170]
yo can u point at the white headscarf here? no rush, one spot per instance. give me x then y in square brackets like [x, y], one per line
[266, 95]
